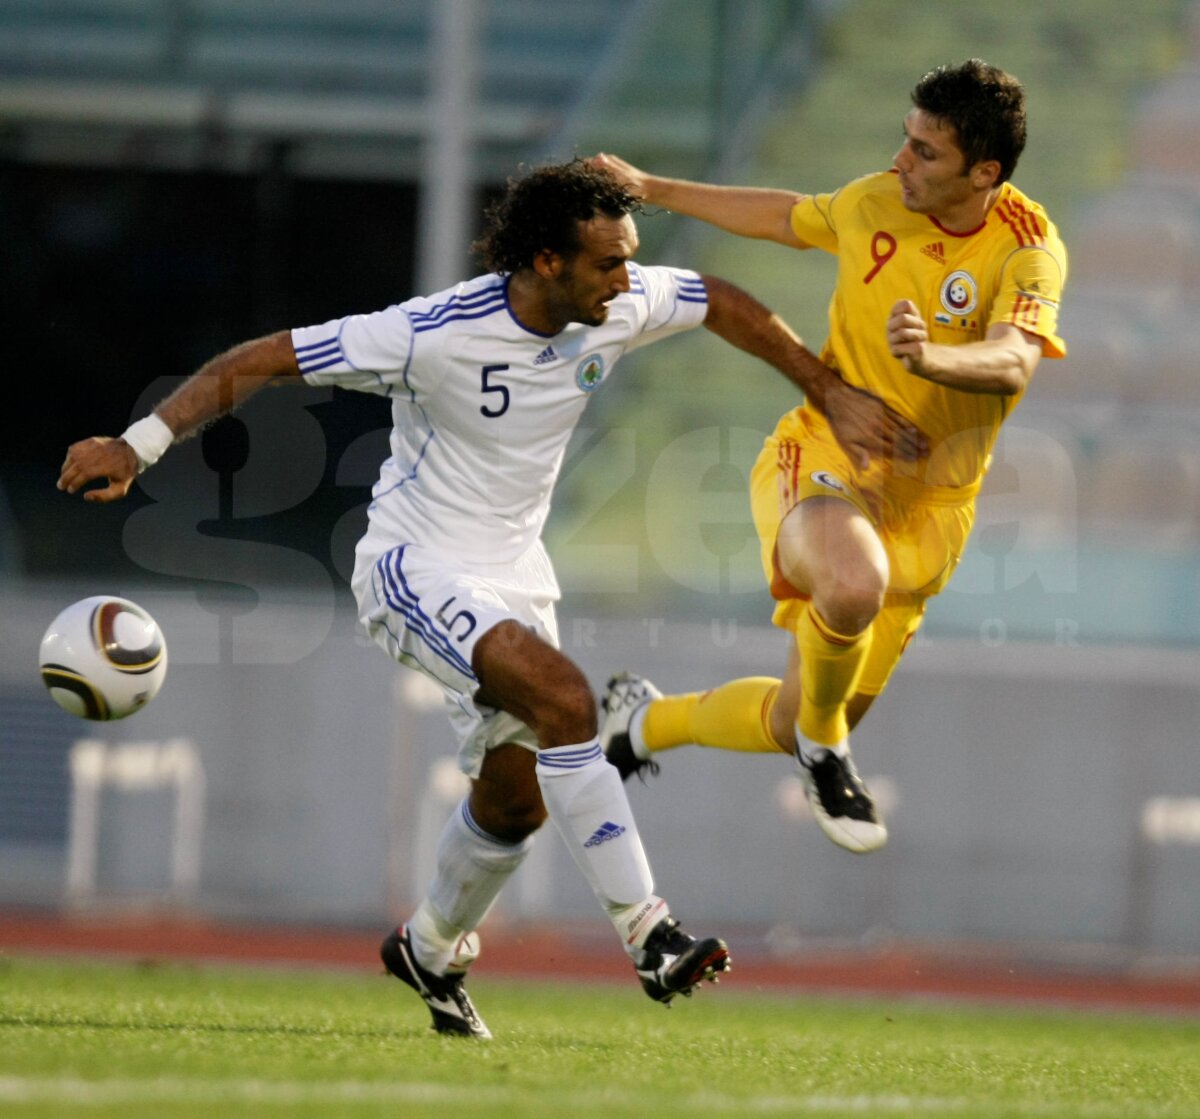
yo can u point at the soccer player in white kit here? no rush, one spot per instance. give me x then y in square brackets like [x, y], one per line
[487, 381]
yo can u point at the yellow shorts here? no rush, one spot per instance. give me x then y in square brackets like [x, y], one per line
[923, 529]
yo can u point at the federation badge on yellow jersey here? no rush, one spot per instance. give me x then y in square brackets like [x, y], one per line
[960, 293]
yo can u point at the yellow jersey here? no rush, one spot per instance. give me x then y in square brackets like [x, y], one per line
[1009, 270]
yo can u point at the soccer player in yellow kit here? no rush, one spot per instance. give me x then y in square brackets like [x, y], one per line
[947, 294]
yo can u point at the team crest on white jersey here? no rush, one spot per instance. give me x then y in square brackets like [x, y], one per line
[960, 293]
[824, 478]
[590, 372]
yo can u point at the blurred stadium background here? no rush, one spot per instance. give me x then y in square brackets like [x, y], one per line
[178, 175]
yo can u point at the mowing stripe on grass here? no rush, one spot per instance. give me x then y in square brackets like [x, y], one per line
[164, 1090]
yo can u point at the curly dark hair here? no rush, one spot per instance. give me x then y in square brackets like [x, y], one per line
[543, 209]
[984, 105]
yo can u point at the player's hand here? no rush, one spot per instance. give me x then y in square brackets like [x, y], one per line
[868, 429]
[99, 457]
[907, 335]
[633, 179]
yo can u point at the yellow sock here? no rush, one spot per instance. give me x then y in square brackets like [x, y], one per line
[830, 665]
[734, 716]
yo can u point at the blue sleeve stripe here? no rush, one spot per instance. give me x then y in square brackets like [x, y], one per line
[317, 345]
[454, 310]
[692, 298]
[457, 302]
[311, 353]
[419, 328]
[311, 365]
[319, 355]
[401, 599]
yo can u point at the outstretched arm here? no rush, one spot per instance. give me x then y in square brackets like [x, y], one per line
[219, 386]
[865, 426]
[747, 211]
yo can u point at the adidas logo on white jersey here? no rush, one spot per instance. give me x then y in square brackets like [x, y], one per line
[546, 356]
[606, 831]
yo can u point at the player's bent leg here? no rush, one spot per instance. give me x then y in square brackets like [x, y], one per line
[586, 800]
[526, 676]
[787, 702]
[840, 800]
[505, 798]
[432, 952]
[829, 551]
[831, 664]
[482, 844]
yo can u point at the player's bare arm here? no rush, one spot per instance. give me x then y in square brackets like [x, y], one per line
[1001, 364]
[219, 386]
[865, 426]
[758, 212]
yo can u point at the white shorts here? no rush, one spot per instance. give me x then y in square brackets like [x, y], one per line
[427, 609]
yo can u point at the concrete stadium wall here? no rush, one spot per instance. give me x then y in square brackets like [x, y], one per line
[1047, 793]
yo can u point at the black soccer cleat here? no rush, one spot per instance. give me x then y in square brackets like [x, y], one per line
[626, 694]
[620, 753]
[840, 801]
[672, 963]
[447, 999]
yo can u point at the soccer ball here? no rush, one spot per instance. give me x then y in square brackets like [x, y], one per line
[103, 658]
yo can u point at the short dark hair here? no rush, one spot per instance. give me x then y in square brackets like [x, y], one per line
[984, 105]
[543, 209]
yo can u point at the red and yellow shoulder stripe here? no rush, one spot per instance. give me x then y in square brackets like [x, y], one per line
[1027, 225]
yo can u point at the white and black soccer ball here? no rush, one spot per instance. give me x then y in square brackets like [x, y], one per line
[103, 658]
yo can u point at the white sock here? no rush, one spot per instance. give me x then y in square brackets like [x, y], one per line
[809, 751]
[472, 868]
[636, 922]
[586, 800]
[636, 741]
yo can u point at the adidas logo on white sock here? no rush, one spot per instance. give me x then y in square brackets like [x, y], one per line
[604, 833]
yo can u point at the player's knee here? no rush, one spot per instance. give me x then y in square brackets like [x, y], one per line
[567, 713]
[518, 820]
[849, 605]
[510, 813]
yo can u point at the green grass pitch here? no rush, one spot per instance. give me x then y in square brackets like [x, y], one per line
[173, 1041]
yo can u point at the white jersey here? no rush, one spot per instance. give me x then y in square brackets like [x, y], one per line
[482, 406]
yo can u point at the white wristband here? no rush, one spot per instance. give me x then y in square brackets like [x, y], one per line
[149, 439]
